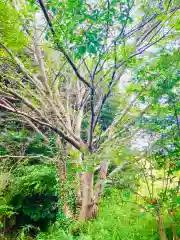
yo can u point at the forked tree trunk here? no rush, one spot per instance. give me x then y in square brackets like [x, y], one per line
[160, 223]
[89, 196]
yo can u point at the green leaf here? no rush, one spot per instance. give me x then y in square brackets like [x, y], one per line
[81, 50]
[91, 49]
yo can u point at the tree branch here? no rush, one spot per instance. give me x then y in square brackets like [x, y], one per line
[60, 48]
[40, 59]
[108, 87]
[37, 129]
[33, 79]
[92, 119]
[116, 121]
[58, 131]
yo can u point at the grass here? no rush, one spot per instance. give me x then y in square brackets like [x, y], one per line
[116, 221]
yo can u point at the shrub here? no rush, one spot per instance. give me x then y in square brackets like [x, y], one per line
[33, 194]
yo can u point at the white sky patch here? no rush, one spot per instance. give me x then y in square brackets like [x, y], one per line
[125, 80]
[142, 140]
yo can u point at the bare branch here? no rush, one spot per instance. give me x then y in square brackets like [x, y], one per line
[118, 120]
[88, 70]
[33, 79]
[92, 118]
[109, 87]
[58, 131]
[37, 130]
[59, 73]
[39, 56]
[28, 103]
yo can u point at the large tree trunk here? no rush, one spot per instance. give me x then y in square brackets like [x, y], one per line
[89, 197]
[160, 223]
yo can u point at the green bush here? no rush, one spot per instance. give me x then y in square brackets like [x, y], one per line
[33, 194]
[28, 185]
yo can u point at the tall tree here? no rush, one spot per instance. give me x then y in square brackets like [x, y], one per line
[69, 63]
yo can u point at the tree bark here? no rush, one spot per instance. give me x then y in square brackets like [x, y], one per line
[160, 223]
[89, 201]
[101, 181]
[86, 211]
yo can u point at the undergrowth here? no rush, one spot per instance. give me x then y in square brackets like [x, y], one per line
[116, 221]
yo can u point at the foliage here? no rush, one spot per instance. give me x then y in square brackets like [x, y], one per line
[33, 194]
[116, 221]
[159, 165]
[84, 29]
[78, 109]
[162, 122]
[29, 184]
[19, 140]
[108, 113]
[11, 27]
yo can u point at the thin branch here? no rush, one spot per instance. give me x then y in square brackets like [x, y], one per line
[143, 168]
[88, 70]
[170, 1]
[109, 87]
[58, 131]
[167, 182]
[92, 118]
[33, 79]
[149, 32]
[27, 156]
[125, 129]
[37, 130]
[40, 59]
[141, 25]
[144, 48]
[59, 73]
[27, 103]
[155, 26]
[114, 42]
[117, 121]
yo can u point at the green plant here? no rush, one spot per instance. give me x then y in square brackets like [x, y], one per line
[116, 221]
[33, 194]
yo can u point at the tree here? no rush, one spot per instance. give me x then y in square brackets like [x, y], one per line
[156, 181]
[164, 152]
[66, 70]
